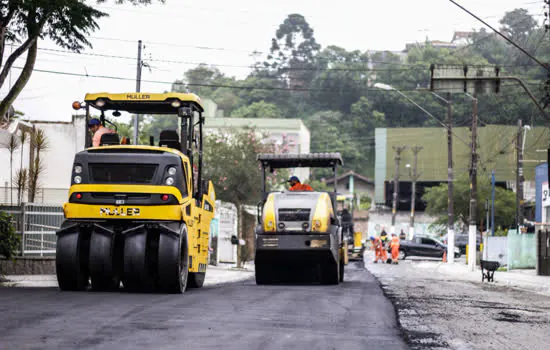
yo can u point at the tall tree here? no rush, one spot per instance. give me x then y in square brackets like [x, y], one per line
[68, 23]
[518, 25]
[293, 52]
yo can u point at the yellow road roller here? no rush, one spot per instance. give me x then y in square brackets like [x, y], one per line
[298, 236]
[138, 214]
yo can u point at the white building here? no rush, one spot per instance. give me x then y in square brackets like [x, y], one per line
[64, 139]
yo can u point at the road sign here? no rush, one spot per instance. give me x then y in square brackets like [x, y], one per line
[460, 79]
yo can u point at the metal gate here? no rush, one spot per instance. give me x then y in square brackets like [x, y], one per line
[227, 216]
[36, 224]
[543, 250]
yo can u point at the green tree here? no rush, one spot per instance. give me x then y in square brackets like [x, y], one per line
[293, 52]
[518, 25]
[68, 23]
[230, 163]
[258, 110]
[9, 240]
[436, 201]
[341, 79]
[210, 82]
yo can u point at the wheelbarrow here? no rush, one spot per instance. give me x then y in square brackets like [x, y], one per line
[488, 269]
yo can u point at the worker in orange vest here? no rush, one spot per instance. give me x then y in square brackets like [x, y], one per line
[379, 250]
[394, 245]
[296, 185]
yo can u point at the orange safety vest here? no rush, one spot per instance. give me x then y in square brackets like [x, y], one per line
[394, 243]
[301, 187]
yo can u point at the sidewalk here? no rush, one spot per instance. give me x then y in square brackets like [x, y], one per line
[223, 273]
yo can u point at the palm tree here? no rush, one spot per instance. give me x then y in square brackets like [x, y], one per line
[22, 140]
[39, 143]
[11, 145]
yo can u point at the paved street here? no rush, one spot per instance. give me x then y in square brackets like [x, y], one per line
[238, 315]
[440, 309]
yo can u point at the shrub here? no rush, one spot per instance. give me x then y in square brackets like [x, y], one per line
[9, 240]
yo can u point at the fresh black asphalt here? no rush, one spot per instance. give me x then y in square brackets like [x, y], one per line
[240, 315]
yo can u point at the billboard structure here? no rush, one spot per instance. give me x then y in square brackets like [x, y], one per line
[463, 79]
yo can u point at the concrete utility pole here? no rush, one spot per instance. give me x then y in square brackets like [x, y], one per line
[397, 158]
[519, 177]
[450, 211]
[472, 229]
[414, 177]
[138, 89]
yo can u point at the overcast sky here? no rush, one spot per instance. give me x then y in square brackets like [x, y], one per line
[225, 33]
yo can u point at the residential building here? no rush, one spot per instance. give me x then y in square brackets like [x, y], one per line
[64, 139]
[279, 131]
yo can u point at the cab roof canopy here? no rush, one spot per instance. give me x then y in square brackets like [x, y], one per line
[144, 103]
[307, 160]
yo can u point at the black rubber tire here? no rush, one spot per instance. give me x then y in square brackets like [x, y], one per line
[196, 279]
[138, 274]
[173, 262]
[71, 260]
[341, 271]
[330, 273]
[104, 272]
[262, 274]
[404, 256]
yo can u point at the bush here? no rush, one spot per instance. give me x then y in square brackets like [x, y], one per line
[9, 240]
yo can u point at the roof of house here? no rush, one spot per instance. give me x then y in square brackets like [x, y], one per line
[460, 35]
[351, 173]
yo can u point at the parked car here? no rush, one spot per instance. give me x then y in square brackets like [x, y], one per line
[425, 247]
[461, 240]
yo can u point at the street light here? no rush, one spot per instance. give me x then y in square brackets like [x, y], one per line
[387, 87]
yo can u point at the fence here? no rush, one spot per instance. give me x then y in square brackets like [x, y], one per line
[50, 196]
[36, 224]
[522, 250]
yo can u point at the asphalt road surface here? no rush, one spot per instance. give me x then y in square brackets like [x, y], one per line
[240, 315]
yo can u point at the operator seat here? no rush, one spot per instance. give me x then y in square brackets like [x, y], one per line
[109, 139]
[169, 138]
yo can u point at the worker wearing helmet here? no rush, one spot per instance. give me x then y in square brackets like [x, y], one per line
[94, 125]
[296, 185]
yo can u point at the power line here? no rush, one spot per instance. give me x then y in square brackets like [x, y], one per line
[504, 36]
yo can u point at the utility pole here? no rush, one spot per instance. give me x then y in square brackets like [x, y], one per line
[519, 177]
[493, 203]
[138, 89]
[397, 158]
[472, 229]
[450, 211]
[414, 177]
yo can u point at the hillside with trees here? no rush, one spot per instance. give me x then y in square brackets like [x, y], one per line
[331, 88]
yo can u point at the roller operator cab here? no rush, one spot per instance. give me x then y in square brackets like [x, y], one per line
[138, 214]
[299, 235]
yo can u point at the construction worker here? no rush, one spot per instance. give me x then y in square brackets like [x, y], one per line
[402, 235]
[98, 130]
[394, 245]
[379, 250]
[296, 185]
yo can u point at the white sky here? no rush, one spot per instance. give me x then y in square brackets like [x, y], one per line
[176, 31]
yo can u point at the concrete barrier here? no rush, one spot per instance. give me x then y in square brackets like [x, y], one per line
[27, 266]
